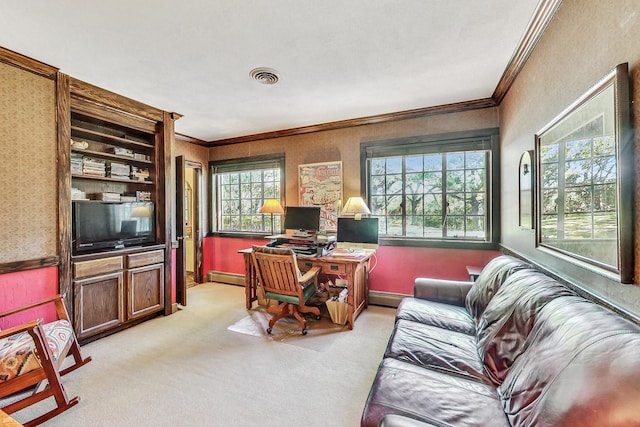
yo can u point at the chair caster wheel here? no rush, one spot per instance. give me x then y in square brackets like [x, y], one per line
[318, 317]
[269, 330]
[304, 332]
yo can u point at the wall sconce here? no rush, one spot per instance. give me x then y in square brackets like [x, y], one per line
[357, 207]
[271, 206]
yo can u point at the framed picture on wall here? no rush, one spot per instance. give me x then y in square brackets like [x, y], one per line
[585, 188]
[320, 184]
[525, 195]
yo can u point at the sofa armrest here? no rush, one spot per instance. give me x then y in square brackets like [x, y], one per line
[439, 290]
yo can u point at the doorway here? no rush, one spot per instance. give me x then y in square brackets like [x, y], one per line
[188, 226]
[191, 264]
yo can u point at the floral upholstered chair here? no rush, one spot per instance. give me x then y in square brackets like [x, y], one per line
[31, 359]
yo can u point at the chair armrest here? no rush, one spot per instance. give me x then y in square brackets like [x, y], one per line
[439, 290]
[25, 327]
[57, 300]
[310, 275]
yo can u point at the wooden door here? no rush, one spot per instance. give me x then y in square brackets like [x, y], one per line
[181, 251]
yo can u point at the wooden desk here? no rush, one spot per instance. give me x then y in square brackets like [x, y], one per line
[353, 267]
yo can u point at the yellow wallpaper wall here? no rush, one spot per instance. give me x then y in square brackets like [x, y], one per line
[344, 145]
[28, 173]
[585, 40]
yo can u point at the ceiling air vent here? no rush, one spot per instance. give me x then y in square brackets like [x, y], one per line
[267, 76]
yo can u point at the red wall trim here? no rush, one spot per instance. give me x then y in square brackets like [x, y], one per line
[394, 267]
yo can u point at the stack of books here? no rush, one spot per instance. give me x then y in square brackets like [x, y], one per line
[119, 170]
[76, 164]
[77, 194]
[106, 197]
[138, 196]
[140, 156]
[95, 167]
[139, 174]
[122, 151]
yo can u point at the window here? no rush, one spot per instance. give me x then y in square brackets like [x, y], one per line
[435, 188]
[240, 188]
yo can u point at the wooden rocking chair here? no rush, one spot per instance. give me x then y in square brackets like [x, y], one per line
[278, 274]
[31, 358]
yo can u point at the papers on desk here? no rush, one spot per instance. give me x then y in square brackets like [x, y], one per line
[348, 253]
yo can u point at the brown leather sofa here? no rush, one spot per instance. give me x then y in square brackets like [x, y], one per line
[515, 348]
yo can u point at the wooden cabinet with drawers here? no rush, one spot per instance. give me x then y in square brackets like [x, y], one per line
[114, 289]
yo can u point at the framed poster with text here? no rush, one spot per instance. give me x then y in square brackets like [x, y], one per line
[320, 184]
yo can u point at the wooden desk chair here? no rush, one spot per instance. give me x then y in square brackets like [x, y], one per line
[31, 358]
[278, 274]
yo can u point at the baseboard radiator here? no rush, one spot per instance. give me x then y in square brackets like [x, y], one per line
[386, 299]
[229, 278]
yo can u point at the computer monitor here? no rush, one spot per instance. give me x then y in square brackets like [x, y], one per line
[357, 233]
[302, 218]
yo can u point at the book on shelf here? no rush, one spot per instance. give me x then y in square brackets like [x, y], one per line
[122, 151]
[106, 197]
[140, 196]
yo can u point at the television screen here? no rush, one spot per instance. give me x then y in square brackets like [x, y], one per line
[100, 225]
[305, 218]
[357, 233]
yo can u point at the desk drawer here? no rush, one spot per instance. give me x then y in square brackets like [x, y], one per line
[327, 267]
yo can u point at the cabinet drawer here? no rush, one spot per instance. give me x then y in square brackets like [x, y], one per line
[145, 258]
[95, 267]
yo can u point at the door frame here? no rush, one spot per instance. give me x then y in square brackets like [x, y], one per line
[181, 257]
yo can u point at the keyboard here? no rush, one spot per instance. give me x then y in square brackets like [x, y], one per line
[300, 249]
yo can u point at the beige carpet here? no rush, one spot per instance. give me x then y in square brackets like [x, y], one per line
[320, 333]
[190, 369]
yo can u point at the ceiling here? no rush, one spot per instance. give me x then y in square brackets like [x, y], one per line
[336, 59]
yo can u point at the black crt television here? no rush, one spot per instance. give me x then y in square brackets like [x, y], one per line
[357, 233]
[100, 226]
[302, 218]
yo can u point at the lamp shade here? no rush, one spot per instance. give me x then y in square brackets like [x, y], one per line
[356, 206]
[271, 206]
[141, 212]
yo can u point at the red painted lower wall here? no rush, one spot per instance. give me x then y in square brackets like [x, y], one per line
[221, 254]
[25, 287]
[394, 267]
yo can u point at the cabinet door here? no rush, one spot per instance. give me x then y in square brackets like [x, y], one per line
[98, 303]
[145, 290]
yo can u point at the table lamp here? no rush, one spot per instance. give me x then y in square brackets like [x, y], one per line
[357, 207]
[271, 206]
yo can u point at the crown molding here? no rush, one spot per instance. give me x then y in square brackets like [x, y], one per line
[29, 64]
[381, 118]
[544, 13]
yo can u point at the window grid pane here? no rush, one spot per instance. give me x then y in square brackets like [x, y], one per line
[240, 196]
[431, 196]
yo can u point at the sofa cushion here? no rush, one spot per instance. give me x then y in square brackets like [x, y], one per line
[508, 318]
[442, 315]
[489, 281]
[433, 397]
[435, 348]
[580, 367]
[392, 420]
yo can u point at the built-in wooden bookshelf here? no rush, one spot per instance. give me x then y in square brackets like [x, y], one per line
[110, 129]
[96, 140]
